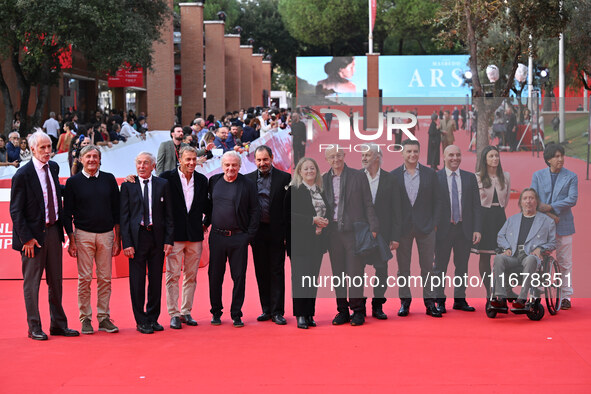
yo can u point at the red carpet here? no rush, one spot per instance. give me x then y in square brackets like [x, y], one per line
[460, 352]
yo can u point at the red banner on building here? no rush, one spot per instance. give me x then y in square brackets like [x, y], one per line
[126, 78]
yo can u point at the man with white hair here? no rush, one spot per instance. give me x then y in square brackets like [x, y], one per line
[36, 212]
[52, 128]
[234, 223]
[147, 236]
[385, 196]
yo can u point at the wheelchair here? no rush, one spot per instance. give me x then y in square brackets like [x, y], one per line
[548, 272]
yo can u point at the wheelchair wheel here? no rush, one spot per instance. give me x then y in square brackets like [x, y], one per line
[536, 313]
[491, 313]
[552, 292]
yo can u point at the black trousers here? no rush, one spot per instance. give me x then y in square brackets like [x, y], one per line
[48, 258]
[299, 151]
[233, 249]
[344, 262]
[151, 256]
[304, 266]
[426, 248]
[454, 240]
[269, 265]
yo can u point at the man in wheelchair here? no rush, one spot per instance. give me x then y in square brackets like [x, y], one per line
[523, 238]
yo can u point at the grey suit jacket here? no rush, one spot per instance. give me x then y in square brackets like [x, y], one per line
[355, 203]
[562, 198]
[166, 160]
[541, 235]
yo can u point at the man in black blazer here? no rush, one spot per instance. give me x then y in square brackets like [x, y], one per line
[234, 223]
[385, 195]
[268, 247]
[420, 208]
[349, 198]
[38, 233]
[188, 195]
[459, 224]
[147, 236]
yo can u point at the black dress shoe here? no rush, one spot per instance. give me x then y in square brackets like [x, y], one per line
[238, 323]
[64, 332]
[311, 322]
[441, 308]
[433, 311]
[404, 310]
[279, 320]
[341, 318]
[157, 327]
[463, 306]
[498, 302]
[302, 322]
[216, 321]
[38, 335]
[145, 328]
[379, 314]
[264, 317]
[188, 320]
[357, 319]
[175, 323]
[519, 303]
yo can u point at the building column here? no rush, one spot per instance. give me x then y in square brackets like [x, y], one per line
[191, 60]
[160, 80]
[233, 74]
[215, 64]
[246, 76]
[373, 92]
[266, 78]
[257, 83]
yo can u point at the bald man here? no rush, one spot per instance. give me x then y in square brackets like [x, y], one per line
[459, 224]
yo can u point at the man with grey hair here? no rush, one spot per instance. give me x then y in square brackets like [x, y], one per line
[523, 238]
[52, 128]
[13, 150]
[349, 197]
[188, 193]
[36, 212]
[199, 129]
[234, 223]
[147, 236]
[385, 196]
[91, 201]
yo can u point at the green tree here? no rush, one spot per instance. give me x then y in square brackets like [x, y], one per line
[108, 33]
[341, 27]
[519, 26]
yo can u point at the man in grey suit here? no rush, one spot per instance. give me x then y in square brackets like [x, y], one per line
[38, 233]
[558, 189]
[349, 197]
[523, 238]
[169, 151]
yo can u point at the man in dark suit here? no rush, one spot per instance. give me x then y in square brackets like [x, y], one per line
[188, 195]
[234, 223]
[147, 236]
[420, 209]
[36, 212]
[298, 133]
[268, 247]
[386, 200]
[459, 224]
[349, 197]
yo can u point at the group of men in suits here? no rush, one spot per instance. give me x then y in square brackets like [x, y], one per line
[440, 211]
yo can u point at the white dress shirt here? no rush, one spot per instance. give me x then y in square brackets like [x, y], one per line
[41, 175]
[149, 185]
[373, 184]
[188, 189]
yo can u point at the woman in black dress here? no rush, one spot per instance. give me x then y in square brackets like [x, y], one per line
[308, 239]
[495, 189]
[434, 143]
